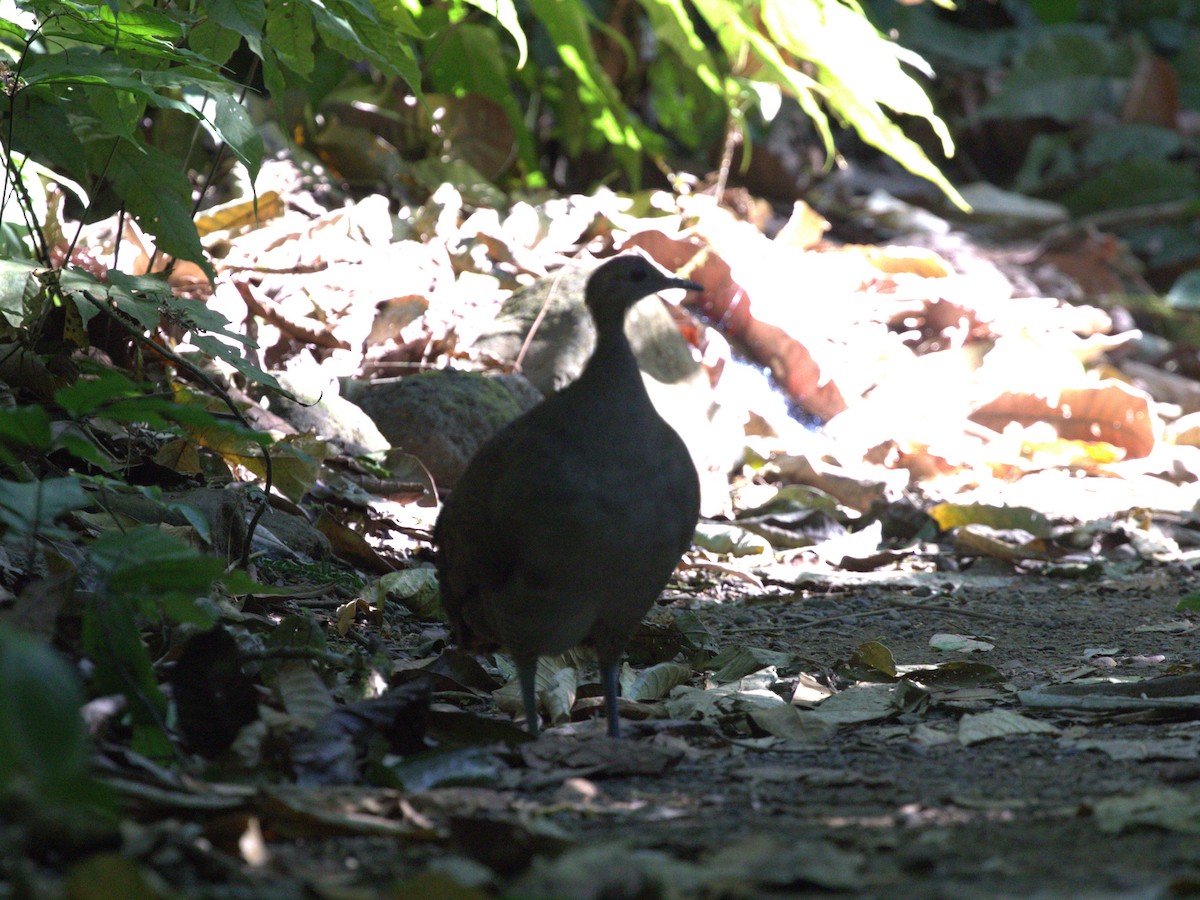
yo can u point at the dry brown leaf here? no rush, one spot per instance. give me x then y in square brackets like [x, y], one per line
[1153, 94]
[350, 545]
[1110, 412]
[303, 328]
[239, 214]
[910, 260]
[978, 540]
[181, 455]
[791, 361]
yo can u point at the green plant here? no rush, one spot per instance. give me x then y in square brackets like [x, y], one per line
[1116, 80]
[139, 576]
[710, 62]
[44, 769]
[82, 78]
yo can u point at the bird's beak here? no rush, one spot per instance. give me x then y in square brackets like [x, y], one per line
[683, 283]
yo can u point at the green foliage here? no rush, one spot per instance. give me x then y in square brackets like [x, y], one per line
[86, 77]
[144, 575]
[1063, 75]
[755, 49]
[43, 743]
[31, 508]
[141, 576]
[150, 570]
[1117, 79]
[115, 397]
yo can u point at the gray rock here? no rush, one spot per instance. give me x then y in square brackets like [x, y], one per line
[443, 417]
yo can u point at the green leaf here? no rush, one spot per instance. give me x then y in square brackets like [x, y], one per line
[116, 87]
[119, 113]
[290, 34]
[88, 394]
[938, 37]
[136, 296]
[197, 317]
[1066, 75]
[220, 350]
[122, 663]
[43, 742]
[33, 507]
[861, 71]
[295, 471]
[143, 30]
[82, 447]
[1134, 182]
[471, 60]
[737, 662]
[354, 29]
[210, 41]
[194, 517]
[1067, 100]
[1054, 11]
[151, 569]
[673, 26]
[19, 285]
[1121, 141]
[244, 17]
[1185, 292]
[226, 119]
[158, 195]
[506, 14]
[26, 426]
[43, 126]
[738, 33]
[1188, 603]
[609, 120]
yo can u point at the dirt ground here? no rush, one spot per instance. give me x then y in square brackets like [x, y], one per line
[1107, 806]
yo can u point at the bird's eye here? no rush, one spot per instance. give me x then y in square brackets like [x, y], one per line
[637, 275]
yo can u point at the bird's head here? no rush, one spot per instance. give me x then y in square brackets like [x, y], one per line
[624, 280]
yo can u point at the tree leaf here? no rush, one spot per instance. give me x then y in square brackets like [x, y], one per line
[42, 737]
[33, 507]
[506, 14]
[290, 34]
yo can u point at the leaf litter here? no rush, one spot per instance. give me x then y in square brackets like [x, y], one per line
[999, 478]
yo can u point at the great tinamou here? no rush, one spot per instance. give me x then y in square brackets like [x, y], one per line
[567, 524]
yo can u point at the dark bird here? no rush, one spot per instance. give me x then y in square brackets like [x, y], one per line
[567, 524]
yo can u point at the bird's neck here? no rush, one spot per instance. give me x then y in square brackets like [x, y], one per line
[612, 368]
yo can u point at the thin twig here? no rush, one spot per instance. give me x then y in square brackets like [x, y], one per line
[807, 623]
[537, 320]
[969, 613]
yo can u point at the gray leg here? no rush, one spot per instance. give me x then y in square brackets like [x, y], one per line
[527, 677]
[608, 679]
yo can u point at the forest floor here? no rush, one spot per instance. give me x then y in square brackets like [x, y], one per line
[1103, 804]
[942, 652]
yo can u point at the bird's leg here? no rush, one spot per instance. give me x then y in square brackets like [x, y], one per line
[608, 680]
[527, 678]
